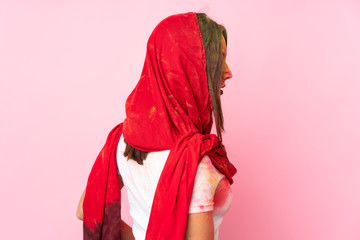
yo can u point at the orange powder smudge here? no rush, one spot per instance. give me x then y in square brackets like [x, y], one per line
[152, 112]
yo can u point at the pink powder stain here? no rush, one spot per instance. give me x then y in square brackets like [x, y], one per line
[223, 196]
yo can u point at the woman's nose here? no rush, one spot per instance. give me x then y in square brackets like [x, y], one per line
[227, 72]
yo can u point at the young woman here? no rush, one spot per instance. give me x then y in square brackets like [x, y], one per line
[176, 173]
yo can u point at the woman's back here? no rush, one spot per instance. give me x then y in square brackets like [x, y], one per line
[211, 191]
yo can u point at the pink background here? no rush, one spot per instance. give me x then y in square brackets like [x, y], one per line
[291, 110]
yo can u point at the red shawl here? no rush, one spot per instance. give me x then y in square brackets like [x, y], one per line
[170, 108]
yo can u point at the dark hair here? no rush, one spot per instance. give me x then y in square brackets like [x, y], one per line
[211, 34]
[135, 154]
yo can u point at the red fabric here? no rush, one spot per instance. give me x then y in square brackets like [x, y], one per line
[101, 204]
[170, 108]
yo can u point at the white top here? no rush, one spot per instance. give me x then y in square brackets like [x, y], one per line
[211, 191]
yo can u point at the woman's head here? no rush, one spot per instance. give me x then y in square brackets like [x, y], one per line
[180, 83]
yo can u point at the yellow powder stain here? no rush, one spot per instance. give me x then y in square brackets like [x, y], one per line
[102, 156]
[206, 164]
[151, 46]
[152, 112]
[170, 75]
[211, 181]
[189, 105]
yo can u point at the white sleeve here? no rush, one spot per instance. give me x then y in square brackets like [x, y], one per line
[206, 181]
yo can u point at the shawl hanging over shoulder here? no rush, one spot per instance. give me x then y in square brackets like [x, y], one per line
[170, 108]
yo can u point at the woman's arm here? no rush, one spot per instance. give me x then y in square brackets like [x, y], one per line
[200, 226]
[126, 230]
[79, 211]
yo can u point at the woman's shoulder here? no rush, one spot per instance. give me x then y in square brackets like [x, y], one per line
[206, 167]
[207, 174]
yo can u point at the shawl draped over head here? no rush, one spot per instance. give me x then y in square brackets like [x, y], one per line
[170, 108]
